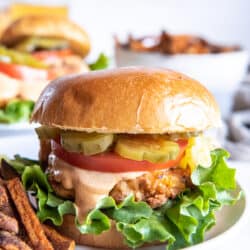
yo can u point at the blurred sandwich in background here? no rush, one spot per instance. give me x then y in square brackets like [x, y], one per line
[34, 50]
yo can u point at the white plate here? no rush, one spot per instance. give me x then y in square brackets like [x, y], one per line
[232, 221]
[17, 128]
[25, 145]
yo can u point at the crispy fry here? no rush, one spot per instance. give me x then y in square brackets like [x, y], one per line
[12, 242]
[15, 206]
[23, 235]
[5, 205]
[8, 223]
[173, 44]
[58, 241]
[28, 217]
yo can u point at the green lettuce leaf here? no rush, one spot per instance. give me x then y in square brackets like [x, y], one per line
[16, 111]
[102, 62]
[50, 207]
[180, 222]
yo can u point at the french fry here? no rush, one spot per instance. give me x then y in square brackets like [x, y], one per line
[14, 207]
[5, 205]
[8, 223]
[28, 217]
[9, 241]
[58, 241]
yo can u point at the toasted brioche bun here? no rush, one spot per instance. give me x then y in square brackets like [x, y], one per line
[5, 20]
[127, 100]
[47, 26]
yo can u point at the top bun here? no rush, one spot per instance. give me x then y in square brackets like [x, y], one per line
[47, 26]
[127, 100]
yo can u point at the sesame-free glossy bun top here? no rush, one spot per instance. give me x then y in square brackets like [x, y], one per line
[127, 100]
[47, 26]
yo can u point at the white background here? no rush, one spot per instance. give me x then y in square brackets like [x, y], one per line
[218, 20]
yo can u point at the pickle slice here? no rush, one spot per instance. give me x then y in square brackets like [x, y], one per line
[86, 143]
[149, 148]
[45, 132]
[16, 57]
[32, 43]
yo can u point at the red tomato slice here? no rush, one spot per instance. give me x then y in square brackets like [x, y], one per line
[111, 162]
[23, 72]
[48, 54]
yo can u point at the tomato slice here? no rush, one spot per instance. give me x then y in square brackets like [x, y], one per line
[48, 54]
[22, 72]
[111, 162]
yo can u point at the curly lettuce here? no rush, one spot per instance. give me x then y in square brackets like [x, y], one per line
[102, 62]
[16, 111]
[180, 222]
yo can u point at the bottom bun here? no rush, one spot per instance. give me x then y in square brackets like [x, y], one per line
[110, 239]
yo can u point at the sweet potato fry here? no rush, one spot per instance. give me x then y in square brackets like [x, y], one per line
[28, 217]
[8, 223]
[167, 43]
[5, 205]
[58, 241]
[9, 241]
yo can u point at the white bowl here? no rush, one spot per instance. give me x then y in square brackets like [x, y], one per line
[220, 73]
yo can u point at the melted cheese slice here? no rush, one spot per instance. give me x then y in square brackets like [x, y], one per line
[198, 152]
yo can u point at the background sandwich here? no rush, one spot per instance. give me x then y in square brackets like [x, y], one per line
[35, 50]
